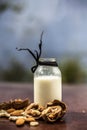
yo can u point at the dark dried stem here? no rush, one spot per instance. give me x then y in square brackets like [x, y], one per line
[37, 54]
[40, 44]
[26, 49]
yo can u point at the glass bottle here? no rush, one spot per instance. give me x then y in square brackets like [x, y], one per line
[47, 81]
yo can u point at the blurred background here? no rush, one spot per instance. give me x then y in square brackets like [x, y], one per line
[65, 37]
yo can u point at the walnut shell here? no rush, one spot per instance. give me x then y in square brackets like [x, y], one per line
[20, 104]
[5, 105]
[54, 111]
[34, 110]
[16, 104]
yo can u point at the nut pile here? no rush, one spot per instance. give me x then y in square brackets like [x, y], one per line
[22, 111]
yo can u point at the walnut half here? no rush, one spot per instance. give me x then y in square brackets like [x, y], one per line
[54, 111]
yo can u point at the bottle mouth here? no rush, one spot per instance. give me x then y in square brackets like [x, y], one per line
[48, 61]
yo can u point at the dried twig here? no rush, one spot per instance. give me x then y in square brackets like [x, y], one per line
[35, 55]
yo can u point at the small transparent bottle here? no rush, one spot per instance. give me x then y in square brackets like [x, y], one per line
[47, 81]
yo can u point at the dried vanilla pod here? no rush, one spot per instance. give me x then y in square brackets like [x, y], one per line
[54, 111]
[35, 55]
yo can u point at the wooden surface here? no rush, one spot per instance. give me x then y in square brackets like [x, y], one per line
[74, 96]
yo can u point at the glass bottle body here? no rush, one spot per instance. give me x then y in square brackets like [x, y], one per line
[47, 83]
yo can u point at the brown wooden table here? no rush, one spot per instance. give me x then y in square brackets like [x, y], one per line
[75, 96]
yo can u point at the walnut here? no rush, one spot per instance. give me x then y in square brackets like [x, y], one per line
[20, 104]
[34, 113]
[16, 104]
[32, 106]
[54, 111]
[22, 111]
[34, 110]
[58, 103]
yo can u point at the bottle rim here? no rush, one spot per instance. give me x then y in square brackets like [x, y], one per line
[48, 61]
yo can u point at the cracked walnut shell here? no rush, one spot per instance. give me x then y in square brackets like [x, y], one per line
[54, 111]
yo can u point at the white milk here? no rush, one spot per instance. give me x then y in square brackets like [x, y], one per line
[47, 88]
